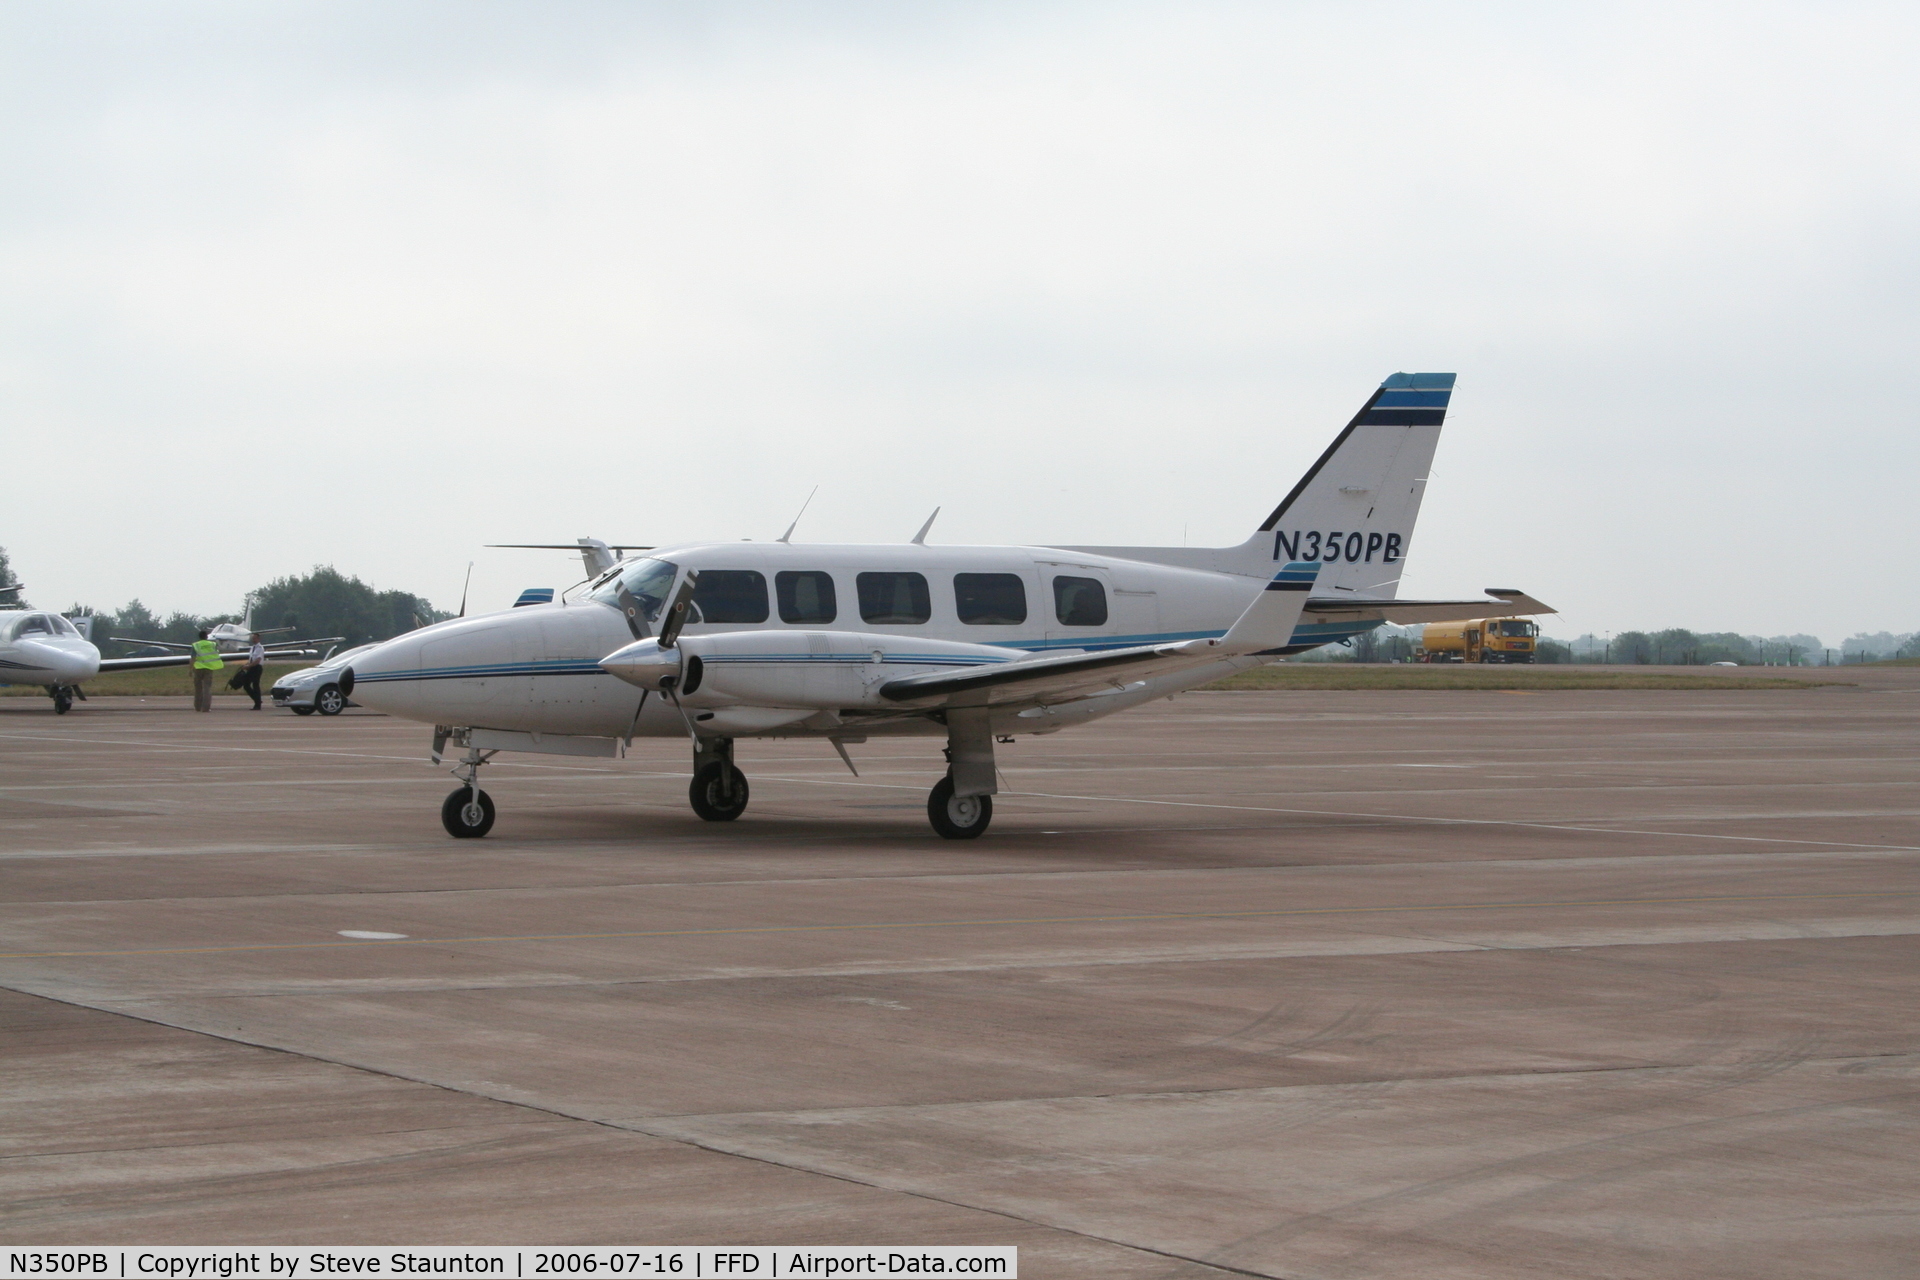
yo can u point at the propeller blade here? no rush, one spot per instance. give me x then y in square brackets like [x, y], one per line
[685, 719]
[635, 722]
[676, 616]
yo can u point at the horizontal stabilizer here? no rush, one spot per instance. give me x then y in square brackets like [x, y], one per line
[1505, 604]
[596, 556]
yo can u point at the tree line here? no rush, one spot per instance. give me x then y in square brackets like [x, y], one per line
[323, 602]
[1674, 646]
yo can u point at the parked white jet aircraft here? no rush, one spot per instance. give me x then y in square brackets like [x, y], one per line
[973, 644]
[46, 649]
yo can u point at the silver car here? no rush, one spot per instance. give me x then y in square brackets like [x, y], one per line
[312, 689]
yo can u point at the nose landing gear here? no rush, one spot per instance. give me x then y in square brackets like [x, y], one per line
[467, 813]
[62, 697]
[719, 790]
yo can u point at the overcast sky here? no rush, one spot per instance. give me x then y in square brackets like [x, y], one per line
[375, 284]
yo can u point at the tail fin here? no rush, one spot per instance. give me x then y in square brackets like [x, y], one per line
[1354, 509]
[1353, 512]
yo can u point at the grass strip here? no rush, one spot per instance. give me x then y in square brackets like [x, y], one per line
[159, 682]
[1344, 676]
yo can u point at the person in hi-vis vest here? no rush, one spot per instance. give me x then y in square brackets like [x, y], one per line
[206, 661]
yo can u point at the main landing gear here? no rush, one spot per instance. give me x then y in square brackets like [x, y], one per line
[719, 790]
[467, 812]
[961, 804]
[957, 817]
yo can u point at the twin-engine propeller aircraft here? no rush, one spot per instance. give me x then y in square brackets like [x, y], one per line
[721, 641]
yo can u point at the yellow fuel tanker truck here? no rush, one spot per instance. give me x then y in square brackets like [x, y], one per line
[1482, 640]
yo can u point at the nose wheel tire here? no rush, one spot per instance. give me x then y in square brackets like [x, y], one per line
[711, 801]
[465, 819]
[330, 701]
[958, 817]
[62, 702]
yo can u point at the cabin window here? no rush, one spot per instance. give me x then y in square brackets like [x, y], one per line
[731, 595]
[805, 596]
[990, 599]
[1079, 602]
[894, 597]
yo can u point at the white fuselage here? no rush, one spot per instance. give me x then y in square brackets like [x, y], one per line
[43, 649]
[536, 669]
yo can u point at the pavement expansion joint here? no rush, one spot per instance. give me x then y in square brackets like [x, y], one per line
[562, 1113]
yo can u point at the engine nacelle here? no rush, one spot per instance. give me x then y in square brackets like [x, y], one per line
[826, 670]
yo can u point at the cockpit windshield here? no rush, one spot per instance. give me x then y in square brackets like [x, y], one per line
[638, 589]
[34, 624]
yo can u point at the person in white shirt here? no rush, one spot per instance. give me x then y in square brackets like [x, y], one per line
[256, 660]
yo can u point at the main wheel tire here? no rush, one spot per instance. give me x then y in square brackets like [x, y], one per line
[329, 701]
[301, 711]
[463, 819]
[957, 817]
[707, 799]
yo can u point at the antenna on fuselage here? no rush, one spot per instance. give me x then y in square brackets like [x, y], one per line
[796, 519]
[920, 538]
[463, 591]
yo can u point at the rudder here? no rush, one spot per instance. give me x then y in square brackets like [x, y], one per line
[1354, 510]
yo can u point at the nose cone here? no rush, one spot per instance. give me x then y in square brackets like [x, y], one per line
[474, 671]
[643, 663]
[380, 677]
[60, 661]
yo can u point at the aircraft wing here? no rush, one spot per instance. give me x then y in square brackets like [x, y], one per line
[278, 649]
[151, 661]
[1267, 624]
[146, 663]
[159, 644]
[1059, 676]
[1505, 603]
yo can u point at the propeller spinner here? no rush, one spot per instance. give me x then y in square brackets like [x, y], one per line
[654, 664]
